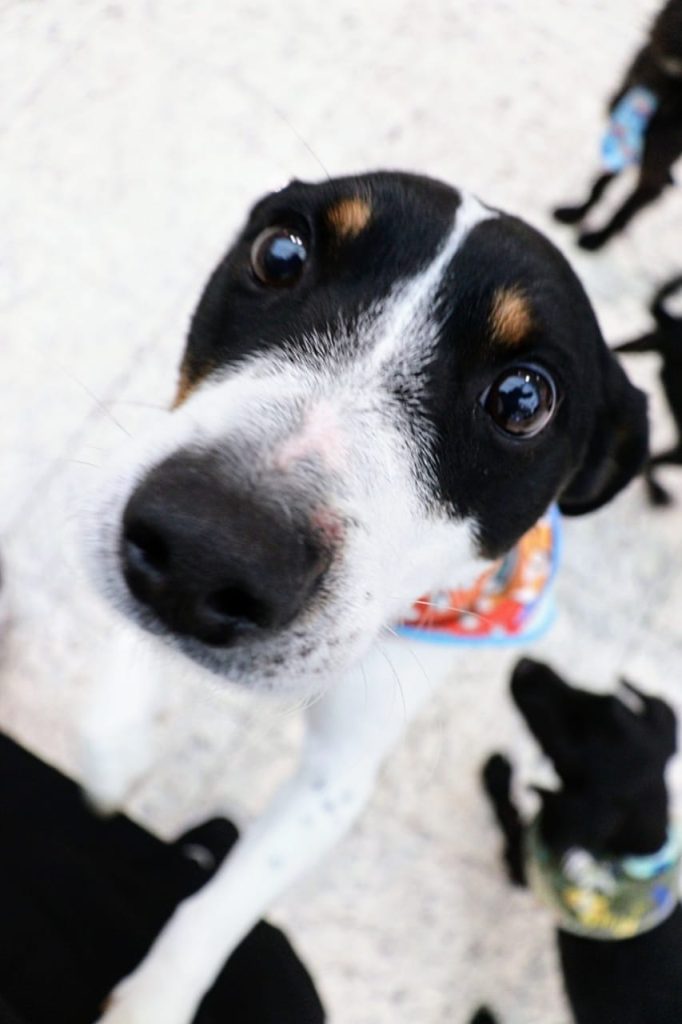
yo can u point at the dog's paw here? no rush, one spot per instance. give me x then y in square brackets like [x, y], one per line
[111, 765]
[117, 730]
[141, 1000]
[121, 1012]
[592, 240]
[658, 496]
[497, 776]
[568, 214]
[483, 1016]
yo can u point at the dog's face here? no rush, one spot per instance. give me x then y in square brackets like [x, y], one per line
[385, 382]
[610, 753]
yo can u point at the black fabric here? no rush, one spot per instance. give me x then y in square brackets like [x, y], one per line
[632, 981]
[82, 898]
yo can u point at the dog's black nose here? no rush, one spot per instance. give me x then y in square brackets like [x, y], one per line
[211, 562]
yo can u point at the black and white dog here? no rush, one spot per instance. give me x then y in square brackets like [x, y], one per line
[386, 384]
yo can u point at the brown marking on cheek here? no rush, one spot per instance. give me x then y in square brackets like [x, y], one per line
[511, 317]
[189, 381]
[186, 386]
[349, 217]
[190, 377]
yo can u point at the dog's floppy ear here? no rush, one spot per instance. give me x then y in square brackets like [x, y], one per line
[618, 446]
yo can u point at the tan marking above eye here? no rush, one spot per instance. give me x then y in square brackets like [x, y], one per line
[348, 217]
[511, 317]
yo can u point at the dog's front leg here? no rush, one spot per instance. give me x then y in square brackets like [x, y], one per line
[116, 743]
[349, 732]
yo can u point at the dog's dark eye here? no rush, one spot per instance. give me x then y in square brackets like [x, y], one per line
[521, 401]
[278, 256]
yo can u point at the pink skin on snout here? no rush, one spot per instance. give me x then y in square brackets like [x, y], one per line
[320, 437]
[329, 526]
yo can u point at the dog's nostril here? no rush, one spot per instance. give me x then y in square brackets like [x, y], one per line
[236, 605]
[146, 549]
[146, 560]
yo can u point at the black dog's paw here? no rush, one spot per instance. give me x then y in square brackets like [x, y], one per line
[592, 240]
[657, 494]
[483, 1016]
[568, 214]
[497, 776]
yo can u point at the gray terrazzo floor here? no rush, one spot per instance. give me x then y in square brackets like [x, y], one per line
[132, 138]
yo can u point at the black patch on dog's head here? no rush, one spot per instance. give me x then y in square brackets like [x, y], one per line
[507, 299]
[597, 439]
[363, 236]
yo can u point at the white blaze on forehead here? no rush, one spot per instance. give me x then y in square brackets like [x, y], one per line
[406, 317]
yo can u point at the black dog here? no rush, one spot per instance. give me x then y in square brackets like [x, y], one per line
[667, 341]
[606, 825]
[657, 68]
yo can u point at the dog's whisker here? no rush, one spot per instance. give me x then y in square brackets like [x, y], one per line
[454, 608]
[304, 142]
[52, 460]
[432, 685]
[262, 97]
[136, 403]
[410, 648]
[396, 677]
[100, 403]
[295, 706]
[363, 670]
[312, 700]
[422, 603]
[298, 706]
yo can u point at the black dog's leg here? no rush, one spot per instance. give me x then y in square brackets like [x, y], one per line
[643, 195]
[574, 214]
[663, 318]
[483, 1016]
[657, 493]
[662, 147]
[497, 777]
[647, 343]
[671, 457]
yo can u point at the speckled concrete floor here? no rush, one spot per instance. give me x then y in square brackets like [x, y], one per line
[132, 137]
